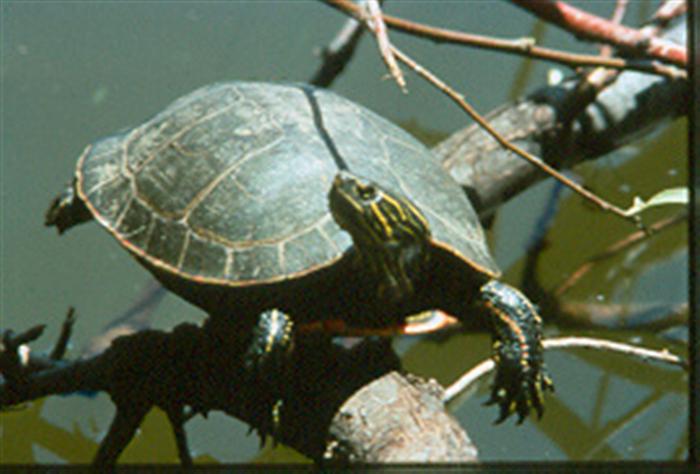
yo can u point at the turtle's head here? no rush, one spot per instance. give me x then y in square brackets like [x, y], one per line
[390, 234]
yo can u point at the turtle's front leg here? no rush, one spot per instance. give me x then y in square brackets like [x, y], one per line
[267, 359]
[521, 378]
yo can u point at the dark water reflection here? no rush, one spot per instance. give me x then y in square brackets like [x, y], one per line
[72, 72]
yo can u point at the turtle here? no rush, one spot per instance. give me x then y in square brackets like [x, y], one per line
[282, 206]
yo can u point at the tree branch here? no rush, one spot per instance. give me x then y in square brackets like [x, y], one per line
[202, 368]
[522, 47]
[594, 28]
[641, 353]
[633, 105]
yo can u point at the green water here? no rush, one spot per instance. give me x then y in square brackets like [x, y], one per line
[74, 71]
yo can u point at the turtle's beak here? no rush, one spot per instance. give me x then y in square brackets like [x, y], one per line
[346, 181]
[342, 200]
[340, 178]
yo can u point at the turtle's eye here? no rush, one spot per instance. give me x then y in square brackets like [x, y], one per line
[366, 192]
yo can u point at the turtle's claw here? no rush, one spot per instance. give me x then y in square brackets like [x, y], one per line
[519, 388]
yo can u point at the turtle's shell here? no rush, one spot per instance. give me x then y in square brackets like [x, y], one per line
[229, 184]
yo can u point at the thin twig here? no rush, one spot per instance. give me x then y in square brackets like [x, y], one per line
[177, 423]
[125, 423]
[645, 355]
[636, 316]
[669, 10]
[616, 248]
[376, 24]
[617, 16]
[594, 28]
[522, 47]
[338, 53]
[594, 82]
[13, 358]
[459, 99]
[12, 341]
[59, 349]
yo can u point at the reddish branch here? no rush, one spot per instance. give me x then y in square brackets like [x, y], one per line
[520, 47]
[594, 28]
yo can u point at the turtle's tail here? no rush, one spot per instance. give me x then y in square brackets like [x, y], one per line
[66, 210]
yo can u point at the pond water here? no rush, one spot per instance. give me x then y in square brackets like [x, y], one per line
[72, 72]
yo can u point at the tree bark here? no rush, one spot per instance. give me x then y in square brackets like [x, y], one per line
[542, 124]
